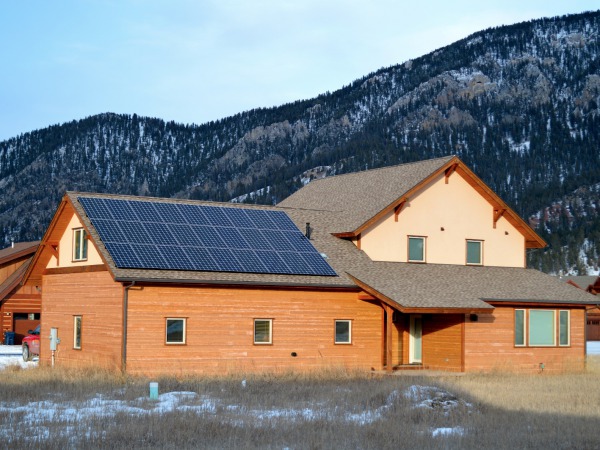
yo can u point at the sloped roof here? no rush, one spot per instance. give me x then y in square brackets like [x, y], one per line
[362, 195]
[582, 281]
[446, 286]
[18, 250]
[14, 279]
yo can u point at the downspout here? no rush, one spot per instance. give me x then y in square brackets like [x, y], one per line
[124, 341]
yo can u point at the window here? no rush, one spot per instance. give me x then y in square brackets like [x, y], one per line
[541, 327]
[520, 327]
[263, 331]
[474, 252]
[343, 332]
[80, 245]
[416, 249]
[77, 332]
[175, 331]
[563, 328]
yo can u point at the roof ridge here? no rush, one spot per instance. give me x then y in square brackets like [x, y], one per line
[395, 166]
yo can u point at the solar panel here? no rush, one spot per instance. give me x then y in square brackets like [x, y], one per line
[149, 234]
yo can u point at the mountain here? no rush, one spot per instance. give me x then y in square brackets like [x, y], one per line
[519, 104]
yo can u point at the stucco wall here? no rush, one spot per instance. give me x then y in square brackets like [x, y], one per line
[462, 213]
[65, 249]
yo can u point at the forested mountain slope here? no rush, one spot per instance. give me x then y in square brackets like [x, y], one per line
[519, 104]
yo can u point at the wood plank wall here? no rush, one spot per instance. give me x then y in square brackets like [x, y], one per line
[220, 330]
[489, 345]
[98, 299]
[442, 342]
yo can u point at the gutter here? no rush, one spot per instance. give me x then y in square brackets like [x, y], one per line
[234, 283]
[124, 340]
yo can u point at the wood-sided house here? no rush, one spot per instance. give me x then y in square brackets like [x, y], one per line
[416, 265]
[589, 284]
[20, 303]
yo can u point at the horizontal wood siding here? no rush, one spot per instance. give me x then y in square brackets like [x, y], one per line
[489, 345]
[24, 299]
[95, 297]
[442, 341]
[220, 325]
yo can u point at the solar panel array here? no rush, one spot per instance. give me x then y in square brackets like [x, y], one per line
[145, 234]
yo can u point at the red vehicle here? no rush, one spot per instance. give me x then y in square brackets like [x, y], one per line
[31, 344]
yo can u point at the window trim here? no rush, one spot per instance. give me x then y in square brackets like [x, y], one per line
[335, 334]
[76, 319]
[82, 241]
[524, 330]
[270, 339]
[424, 240]
[568, 344]
[480, 263]
[184, 333]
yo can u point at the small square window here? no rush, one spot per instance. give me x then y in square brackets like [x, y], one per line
[175, 331]
[343, 332]
[77, 332]
[263, 331]
[80, 245]
[474, 252]
[416, 249]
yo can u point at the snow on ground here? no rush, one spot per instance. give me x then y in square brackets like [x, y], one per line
[10, 355]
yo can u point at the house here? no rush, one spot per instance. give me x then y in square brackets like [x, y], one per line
[589, 284]
[418, 265]
[20, 304]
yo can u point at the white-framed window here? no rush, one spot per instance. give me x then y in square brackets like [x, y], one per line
[474, 252]
[175, 330]
[564, 328]
[343, 332]
[80, 244]
[520, 331]
[77, 332]
[416, 249]
[263, 331]
[542, 328]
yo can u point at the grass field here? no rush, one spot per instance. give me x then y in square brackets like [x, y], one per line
[58, 409]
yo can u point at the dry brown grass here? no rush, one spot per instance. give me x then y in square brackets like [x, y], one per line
[334, 409]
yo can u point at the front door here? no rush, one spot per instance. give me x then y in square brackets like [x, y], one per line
[416, 338]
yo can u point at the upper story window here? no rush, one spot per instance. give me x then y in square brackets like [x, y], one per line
[80, 245]
[416, 249]
[474, 252]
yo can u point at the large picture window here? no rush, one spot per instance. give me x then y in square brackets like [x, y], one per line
[474, 252]
[263, 332]
[80, 245]
[343, 332]
[175, 330]
[416, 249]
[542, 328]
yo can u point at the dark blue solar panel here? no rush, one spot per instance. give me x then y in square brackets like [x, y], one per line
[145, 211]
[96, 208]
[194, 215]
[123, 255]
[161, 235]
[217, 216]
[169, 213]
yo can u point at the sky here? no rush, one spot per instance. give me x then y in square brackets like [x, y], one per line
[193, 61]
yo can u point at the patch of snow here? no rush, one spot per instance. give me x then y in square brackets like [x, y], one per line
[447, 431]
[593, 347]
[11, 355]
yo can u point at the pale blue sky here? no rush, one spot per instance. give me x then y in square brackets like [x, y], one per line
[193, 61]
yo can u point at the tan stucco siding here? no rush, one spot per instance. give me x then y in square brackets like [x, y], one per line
[65, 249]
[447, 215]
